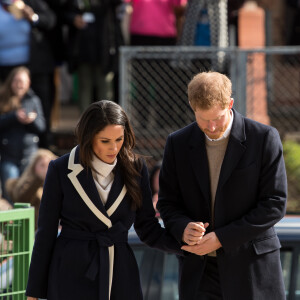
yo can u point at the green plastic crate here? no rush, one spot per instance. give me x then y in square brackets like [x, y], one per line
[16, 243]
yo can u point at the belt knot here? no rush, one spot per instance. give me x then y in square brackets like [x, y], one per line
[100, 262]
[104, 240]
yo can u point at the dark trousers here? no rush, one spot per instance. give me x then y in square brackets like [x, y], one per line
[210, 288]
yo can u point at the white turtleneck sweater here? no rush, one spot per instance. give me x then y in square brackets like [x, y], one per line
[103, 177]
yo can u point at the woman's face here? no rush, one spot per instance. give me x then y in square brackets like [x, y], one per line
[108, 142]
[20, 84]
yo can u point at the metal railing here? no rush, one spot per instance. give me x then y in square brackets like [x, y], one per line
[16, 242]
[153, 85]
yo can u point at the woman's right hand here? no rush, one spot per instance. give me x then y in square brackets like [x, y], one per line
[32, 298]
[25, 118]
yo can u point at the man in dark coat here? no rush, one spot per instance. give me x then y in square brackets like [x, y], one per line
[222, 188]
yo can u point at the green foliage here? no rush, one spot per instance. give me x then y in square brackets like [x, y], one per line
[291, 152]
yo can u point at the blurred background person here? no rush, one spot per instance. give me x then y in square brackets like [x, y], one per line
[57, 33]
[27, 27]
[94, 38]
[154, 22]
[28, 187]
[202, 18]
[14, 40]
[197, 23]
[21, 122]
[42, 59]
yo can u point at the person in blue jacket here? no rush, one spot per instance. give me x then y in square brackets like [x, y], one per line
[96, 192]
[21, 122]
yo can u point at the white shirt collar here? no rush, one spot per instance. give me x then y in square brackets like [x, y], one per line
[101, 167]
[227, 131]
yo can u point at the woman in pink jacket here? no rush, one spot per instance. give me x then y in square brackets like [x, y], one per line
[154, 22]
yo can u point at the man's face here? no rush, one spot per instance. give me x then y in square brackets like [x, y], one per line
[214, 121]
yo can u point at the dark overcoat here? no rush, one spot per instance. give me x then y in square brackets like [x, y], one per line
[99, 41]
[250, 198]
[90, 259]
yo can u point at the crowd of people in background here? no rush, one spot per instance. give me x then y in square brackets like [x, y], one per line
[28, 187]
[38, 37]
[21, 122]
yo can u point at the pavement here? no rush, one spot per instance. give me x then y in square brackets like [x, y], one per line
[65, 118]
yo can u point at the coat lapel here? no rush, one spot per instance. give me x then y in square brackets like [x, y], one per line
[86, 188]
[86, 180]
[84, 184]
[235, 148]
[199, 162]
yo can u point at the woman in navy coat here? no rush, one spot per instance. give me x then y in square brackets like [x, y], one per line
[96, 193]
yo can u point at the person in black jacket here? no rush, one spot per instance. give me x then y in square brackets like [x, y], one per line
[228, 173]
[42, 59]
[94, 39]
[97, 192]
[21, 122]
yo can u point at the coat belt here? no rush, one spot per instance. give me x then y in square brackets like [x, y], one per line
[101, 261]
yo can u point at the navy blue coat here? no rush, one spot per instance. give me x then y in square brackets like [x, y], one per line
[91, 253]
[250, 199]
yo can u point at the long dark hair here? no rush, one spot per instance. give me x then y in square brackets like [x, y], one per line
[95, 118]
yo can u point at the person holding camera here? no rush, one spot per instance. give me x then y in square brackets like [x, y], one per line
[21, 122]
[26, 39]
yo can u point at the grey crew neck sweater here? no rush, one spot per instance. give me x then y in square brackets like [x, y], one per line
[215, 155]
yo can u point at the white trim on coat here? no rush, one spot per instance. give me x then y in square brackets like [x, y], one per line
[76, 169]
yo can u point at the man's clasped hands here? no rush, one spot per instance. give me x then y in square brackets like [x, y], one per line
[197, 241]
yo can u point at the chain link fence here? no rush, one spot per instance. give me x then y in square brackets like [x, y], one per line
[153, 91]
[281, 82]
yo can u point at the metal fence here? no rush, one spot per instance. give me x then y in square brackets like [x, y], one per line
[16, 242]
[153, 84]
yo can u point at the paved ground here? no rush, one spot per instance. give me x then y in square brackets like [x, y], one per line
[64, 122]
[65, 117]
